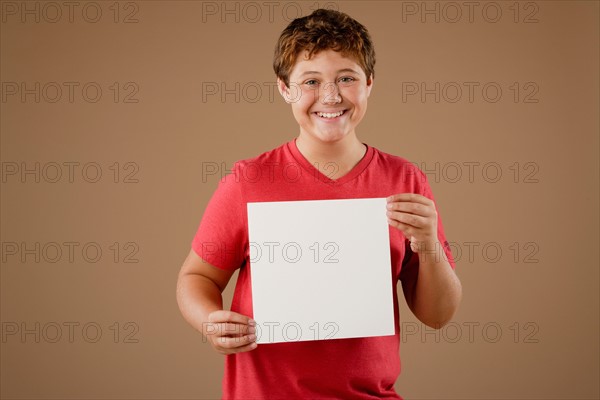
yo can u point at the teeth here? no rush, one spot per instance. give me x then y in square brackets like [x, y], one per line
[330, 115]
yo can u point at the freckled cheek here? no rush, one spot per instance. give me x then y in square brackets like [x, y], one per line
[304, 105]
[301, 112]
[300, 95]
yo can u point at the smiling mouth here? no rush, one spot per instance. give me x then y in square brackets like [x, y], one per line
[335, 115]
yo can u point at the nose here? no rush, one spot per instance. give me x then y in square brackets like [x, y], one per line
[331, 94]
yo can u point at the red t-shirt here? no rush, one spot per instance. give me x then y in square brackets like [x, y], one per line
[357, 368]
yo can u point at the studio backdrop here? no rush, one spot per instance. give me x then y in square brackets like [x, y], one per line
[119, 118]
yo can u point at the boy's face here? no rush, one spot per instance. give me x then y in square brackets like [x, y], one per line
[327, 83]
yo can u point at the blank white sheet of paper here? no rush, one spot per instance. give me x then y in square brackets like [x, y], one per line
[320, 269]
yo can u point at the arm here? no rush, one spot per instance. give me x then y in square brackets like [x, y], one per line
[436, 293]
[199, 288]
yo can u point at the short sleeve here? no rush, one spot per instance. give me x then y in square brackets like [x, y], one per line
[410, 263]
[222, 234]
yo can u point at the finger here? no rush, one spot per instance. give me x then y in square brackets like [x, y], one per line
[413, 220]
[228, 343]
[412, 197]
[230, 316]
[229, 329]
[414, 246]
[412, 208]
[407, 230]
[241, 349]
[426, 246]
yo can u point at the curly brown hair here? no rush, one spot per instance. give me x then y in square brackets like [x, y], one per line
[323, 30]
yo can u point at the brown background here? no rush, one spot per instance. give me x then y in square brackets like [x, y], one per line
[528, 324]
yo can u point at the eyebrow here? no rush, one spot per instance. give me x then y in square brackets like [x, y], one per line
[318, 73]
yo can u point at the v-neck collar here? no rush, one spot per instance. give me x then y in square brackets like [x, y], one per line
[353, 173]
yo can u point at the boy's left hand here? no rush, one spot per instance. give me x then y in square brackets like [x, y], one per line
[415, 215]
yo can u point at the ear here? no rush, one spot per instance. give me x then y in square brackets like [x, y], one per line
[369, 85]
[283, 90]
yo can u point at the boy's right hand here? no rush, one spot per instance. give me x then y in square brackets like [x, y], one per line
[230, 332]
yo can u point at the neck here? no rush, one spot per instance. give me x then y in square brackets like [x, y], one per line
[343, 154]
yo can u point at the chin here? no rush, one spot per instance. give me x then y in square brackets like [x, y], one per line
[330, 137]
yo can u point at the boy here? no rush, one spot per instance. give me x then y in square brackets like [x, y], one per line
[325, 68]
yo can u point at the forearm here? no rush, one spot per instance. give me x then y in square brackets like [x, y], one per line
[438, 291]
[197, 297]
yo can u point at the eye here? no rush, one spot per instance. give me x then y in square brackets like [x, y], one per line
[347, 79]
[311, 82]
